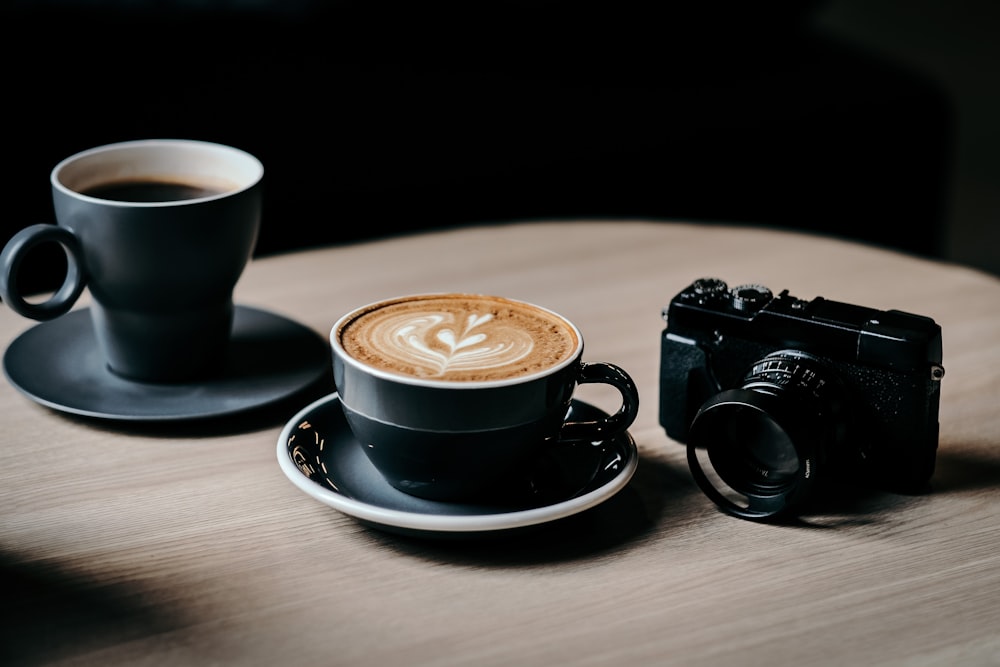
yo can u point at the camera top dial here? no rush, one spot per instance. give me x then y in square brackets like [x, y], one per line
[747, 298]
[713, 292]
[709, 288]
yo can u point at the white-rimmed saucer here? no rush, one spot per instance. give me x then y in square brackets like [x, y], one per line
[319, 454]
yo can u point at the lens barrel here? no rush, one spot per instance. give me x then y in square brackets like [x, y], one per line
[758, 450]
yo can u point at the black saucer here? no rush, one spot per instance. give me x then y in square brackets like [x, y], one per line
[319, 454]
[269, 358]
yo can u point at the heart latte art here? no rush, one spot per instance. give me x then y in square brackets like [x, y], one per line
[458, 337]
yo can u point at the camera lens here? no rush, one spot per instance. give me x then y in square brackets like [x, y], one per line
[757, 450]
[763, 457]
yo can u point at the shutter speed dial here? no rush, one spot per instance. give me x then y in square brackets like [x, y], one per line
[748, 298]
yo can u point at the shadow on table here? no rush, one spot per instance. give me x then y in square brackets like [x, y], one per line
[621, 522]
[662, 495]
[965, 471]
[49, 613]
[848, 506]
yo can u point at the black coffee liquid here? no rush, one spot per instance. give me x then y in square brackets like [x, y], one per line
[150, 191]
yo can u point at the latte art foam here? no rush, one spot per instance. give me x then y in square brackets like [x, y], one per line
[458, 337]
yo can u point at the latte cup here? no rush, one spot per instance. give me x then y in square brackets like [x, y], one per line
[450, 394]
[159, 231]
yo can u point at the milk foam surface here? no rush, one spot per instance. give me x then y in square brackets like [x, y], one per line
[458, 337]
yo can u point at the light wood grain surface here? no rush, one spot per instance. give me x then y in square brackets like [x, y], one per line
[122, 545]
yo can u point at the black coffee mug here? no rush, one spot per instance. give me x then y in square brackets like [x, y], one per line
[447, 399]
[159, 231]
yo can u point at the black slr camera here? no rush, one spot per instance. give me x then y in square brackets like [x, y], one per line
[777, 397]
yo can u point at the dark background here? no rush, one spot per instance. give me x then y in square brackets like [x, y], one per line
[379, 118]
[955, 45]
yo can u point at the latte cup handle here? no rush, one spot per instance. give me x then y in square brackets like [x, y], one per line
[15, 252]
[612, 425]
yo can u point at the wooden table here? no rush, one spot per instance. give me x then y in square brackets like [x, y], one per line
[122, 545]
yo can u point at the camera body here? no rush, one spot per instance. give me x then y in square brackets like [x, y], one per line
[873, 375]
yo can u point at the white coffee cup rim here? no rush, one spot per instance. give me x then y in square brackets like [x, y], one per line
[402, 378]
[240, 170]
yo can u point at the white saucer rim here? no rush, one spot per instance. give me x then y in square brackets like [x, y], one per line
[445, 523]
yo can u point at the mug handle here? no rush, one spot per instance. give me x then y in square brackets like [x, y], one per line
[10, 265]
[610, 426]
